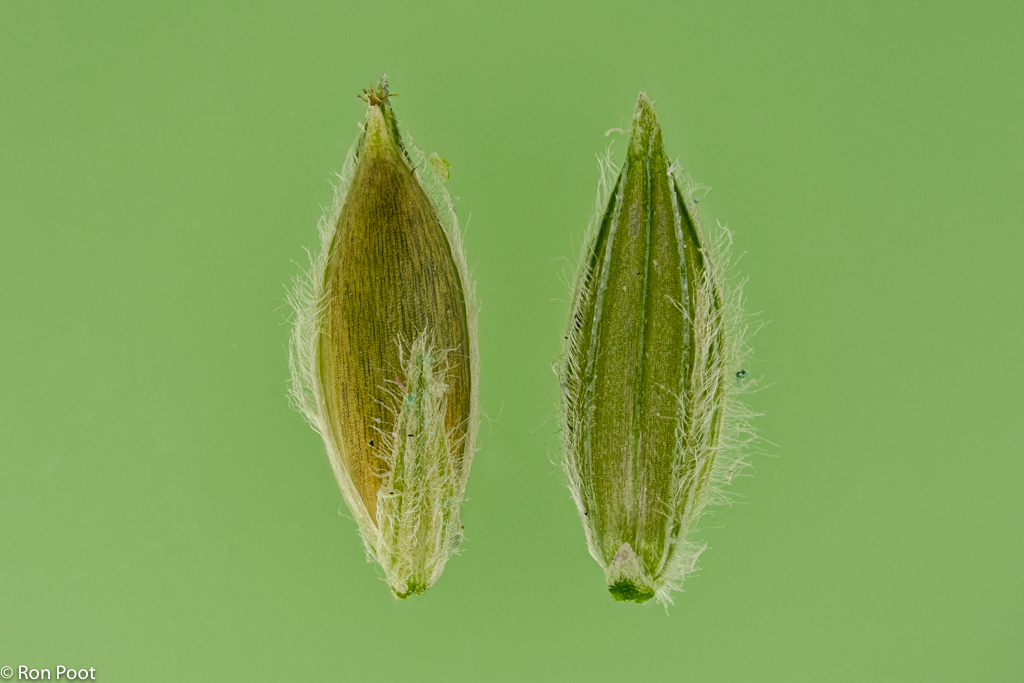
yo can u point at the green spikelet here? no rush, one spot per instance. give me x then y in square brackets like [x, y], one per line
[384, 353]
[650, 424]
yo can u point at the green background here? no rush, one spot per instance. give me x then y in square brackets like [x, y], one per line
[164, 515]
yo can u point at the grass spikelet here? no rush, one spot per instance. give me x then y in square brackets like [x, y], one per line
[650, 372]
[383, 354]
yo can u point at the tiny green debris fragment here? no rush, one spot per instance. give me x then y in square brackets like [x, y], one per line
[383, 354]
[439, 165]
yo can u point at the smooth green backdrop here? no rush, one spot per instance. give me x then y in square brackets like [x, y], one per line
[164, 515]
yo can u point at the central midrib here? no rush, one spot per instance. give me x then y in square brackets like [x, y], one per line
[636, 482]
